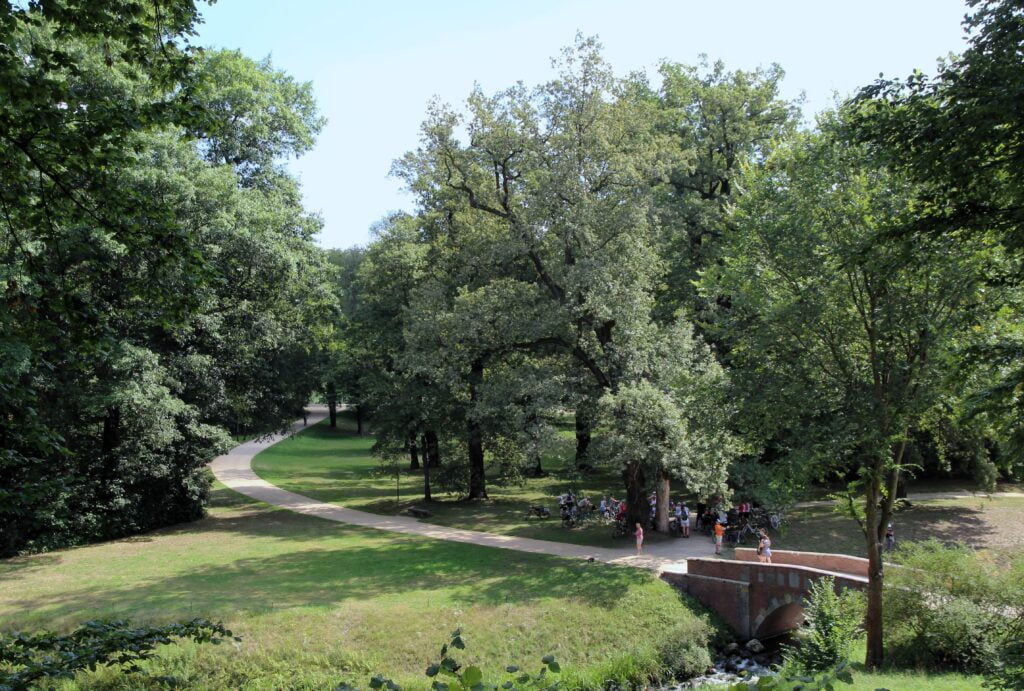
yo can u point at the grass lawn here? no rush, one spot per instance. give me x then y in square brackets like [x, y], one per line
[907, 680]
[992, 524]
[335, 465]
[317, 603]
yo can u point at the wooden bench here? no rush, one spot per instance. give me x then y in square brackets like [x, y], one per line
[418, 513]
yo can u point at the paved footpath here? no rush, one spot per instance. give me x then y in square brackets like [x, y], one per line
[234, 469]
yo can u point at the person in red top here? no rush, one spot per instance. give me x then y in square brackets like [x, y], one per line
[719, 534]
[639, 535]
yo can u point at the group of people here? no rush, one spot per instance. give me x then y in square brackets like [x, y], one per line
[715, 516]
[573, 508]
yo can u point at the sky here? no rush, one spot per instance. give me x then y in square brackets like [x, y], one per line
[374, 65]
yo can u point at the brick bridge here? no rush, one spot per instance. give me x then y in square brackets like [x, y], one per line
[764, 600]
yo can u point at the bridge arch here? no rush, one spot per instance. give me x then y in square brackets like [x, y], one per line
[763, 600]
[785, 616]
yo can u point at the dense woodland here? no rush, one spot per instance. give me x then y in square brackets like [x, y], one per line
[721, 295]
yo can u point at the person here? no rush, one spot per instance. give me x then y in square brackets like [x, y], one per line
[719, 534]
[764, 548]
[890, 538]
[604, 506]
[639, 535]
[701, 509]
[684, 520]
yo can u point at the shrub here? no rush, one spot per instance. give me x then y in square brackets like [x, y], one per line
[683, 659]
[835, 623]
[459, 678]
[28, 658]
[953, 608]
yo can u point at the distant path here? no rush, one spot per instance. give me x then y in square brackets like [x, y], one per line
[925, 496]
[234, 470]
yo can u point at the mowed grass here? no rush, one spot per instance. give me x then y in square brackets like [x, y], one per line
[317, 603]
[982, 523]
[906, 680]
[336, 466]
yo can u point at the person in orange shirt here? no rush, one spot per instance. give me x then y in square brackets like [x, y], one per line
[719, 534]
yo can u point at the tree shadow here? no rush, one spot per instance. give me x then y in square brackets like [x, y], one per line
[19, 566]
[468, 574]
[947, 524]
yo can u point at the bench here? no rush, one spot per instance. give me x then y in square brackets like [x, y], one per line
[418, 513]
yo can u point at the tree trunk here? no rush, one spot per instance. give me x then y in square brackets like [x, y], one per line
[474, 435]
[414, 455]
[426, 478]
[332, 405]
[873, 619]
[359, 420]
[637, 508]
[582, 440]
[877, 513]
[661, 516]
[536, 470]
[431, 451]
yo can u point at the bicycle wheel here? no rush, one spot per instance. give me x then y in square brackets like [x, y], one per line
[775, 520]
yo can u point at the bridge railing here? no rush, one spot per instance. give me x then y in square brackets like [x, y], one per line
[837, 563]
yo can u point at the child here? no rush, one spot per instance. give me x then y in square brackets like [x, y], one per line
[764, 549]
[639, 535]
[719, 534]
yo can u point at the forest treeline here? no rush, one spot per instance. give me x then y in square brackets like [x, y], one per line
[718, 294]
[159, 284]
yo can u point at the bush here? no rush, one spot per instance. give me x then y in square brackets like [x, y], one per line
[683, 659]
[835, 624]
[956, 635]
[26, 659]
[953, 608]
[459, 678]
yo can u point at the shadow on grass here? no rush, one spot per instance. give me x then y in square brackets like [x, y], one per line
[825, 530]
[19, 566]
[315, 575]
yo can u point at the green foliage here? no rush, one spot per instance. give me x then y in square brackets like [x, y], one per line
[835, 624]
[954, 608]
[27, 659]
[958, 134]
[684, 659]
[822, 681]
[471, 678]
[151, 297]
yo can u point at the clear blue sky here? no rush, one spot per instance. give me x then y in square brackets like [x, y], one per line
[374, 65]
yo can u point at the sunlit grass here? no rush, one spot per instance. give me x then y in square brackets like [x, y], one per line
[335, 465]
[317, 603]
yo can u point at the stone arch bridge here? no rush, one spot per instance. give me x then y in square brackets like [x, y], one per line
[764, 600]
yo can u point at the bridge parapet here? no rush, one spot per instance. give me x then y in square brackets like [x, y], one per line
[759, 600]
[836, 563]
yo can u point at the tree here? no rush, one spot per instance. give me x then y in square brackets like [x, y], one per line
[718, 122]
[154, 298]
[960, 136]
[560, 178]
[846, 331]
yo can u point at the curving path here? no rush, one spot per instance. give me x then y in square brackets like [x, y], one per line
[234, 470]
